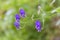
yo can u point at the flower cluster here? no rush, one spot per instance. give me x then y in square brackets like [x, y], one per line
[22, 14]
[38, 25]
[17, 17]
[17, 24]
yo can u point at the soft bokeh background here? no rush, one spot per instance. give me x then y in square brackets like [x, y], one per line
[49, 15]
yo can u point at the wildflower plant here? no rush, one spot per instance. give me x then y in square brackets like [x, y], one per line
[17, 17]
[34, 20]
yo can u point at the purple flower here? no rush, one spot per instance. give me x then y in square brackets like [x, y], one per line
[38, 25]
[22, 12]
[17, 16]
[17, 24]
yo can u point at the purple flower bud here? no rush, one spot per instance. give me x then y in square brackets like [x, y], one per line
[17, 16]
[22, 12]
[38, 25]
[17, 24]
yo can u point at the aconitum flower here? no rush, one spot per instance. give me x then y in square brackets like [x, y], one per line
[17, 24]
[17, 16]
[22, 12]
[38, 25]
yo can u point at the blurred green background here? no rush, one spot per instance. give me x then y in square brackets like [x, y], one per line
[49, 15]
